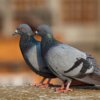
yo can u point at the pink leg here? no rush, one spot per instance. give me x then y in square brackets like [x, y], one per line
[67, 87]
[39, 84]
[58, 88]
[47, 84]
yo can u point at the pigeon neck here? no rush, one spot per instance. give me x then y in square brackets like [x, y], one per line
[47, 42]
[27, 38]
[27, 42]
[49, 37]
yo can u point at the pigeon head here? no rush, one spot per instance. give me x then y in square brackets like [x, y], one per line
[23, 29]
[43, 30]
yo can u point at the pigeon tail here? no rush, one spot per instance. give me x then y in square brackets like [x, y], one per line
[93, 78]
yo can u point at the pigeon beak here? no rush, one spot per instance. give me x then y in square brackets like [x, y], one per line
[36, 33]
[16, 32]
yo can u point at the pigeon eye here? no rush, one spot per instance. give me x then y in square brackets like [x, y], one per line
[21, 28]
[41, 29]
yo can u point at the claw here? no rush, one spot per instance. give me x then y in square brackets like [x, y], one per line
[59, 88]
[41, 83]
[38, 84]
[64, 90]
[45, 85]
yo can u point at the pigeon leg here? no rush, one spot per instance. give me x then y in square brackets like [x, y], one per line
[62, 87]
[47, 84]
[67, 87]
[41, 83]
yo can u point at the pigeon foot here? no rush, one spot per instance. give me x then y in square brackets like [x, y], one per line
[38, 84]
[57, 88]
[67, 87]
[64, 90]
[45, 85]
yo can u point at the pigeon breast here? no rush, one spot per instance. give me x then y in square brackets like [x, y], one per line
[33, 55]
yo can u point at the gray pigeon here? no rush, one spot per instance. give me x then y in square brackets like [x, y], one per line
[31, 52]
[66, 62]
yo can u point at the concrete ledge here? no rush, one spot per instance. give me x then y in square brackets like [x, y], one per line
[36, 93]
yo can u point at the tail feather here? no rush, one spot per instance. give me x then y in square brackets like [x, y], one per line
[93, 78]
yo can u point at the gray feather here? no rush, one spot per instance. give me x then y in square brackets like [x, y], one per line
[92, 78]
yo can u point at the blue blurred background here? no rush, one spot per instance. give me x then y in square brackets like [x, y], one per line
[74, 22]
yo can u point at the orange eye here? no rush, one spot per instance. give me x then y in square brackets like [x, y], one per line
[21, 28]
[40, 29]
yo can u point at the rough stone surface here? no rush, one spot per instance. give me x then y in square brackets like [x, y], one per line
[36, 93]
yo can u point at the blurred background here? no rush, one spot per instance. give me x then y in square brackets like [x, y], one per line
[74, 22]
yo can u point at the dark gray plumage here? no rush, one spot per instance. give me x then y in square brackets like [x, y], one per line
[66, 62]
[31, 52]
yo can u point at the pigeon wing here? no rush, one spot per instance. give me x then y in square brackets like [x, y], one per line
[65, 57]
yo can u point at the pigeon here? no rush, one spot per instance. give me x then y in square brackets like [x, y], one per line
[31, 51]
[66, 62]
